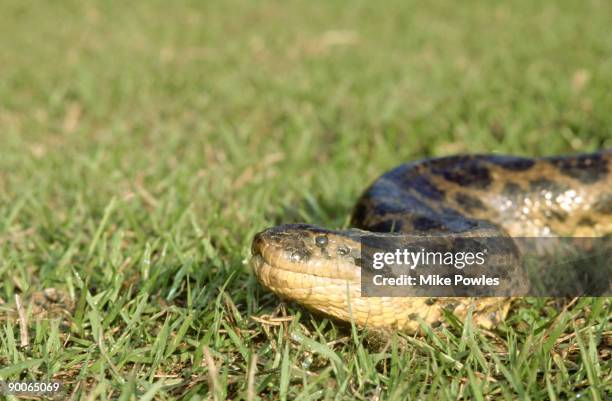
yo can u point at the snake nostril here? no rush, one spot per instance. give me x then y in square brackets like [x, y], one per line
[343, 250]
[296, 256]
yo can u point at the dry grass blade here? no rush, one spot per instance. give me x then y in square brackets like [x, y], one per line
[23, 323]
[213, 374]
[251, 378]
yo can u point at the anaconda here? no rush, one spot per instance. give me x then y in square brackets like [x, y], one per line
[507, 195]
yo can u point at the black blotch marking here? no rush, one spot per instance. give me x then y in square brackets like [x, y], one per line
[359, 213]
[559, 215]
[512, 189]
[470, 177]
[384, 199]
[512, 163]
[387, 197]
[390, 205]
[443, 163]
[427, 188]
[585, 168]
[463, 170]
[436, 324]
[430, 301]
[586, 221]
[374, 242]
[411, 180]
[387, 226]
[468, 202]
[457, 222]
[425, 224]
[413, 316]
[450, 307]
[358, 262]
[604, 204]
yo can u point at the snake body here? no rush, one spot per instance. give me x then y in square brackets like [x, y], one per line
[502, 195]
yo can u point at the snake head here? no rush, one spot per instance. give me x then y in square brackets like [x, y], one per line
[311, 265]
[309, 250]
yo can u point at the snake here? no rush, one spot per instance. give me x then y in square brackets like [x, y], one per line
[508, 196]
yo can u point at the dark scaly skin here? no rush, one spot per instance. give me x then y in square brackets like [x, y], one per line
[565, 196]
[459, 195]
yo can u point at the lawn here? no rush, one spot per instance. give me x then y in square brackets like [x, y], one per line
[144, 143]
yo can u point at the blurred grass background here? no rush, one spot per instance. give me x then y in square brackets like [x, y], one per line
[143, 144]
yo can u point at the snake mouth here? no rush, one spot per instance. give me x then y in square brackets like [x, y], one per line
[256, 262]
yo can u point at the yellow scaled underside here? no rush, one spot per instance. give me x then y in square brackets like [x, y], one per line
[342, 300]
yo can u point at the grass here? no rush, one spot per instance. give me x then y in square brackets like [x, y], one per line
[142, 146]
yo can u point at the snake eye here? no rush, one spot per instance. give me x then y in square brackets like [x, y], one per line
[321, 240]
[343, 250]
